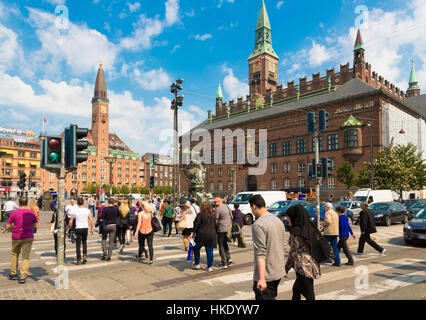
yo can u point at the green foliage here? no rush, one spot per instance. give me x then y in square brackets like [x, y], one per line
[163, 190]
[106, 188]
[115, 190]
[124, 189]
[143, 190]
[135, 189]
[346, 175]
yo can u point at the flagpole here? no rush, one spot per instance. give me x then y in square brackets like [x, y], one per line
[43, 123]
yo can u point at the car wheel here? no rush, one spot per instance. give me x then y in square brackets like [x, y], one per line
[248, 219]
[388, 221]
[405, 220]
[407, 241]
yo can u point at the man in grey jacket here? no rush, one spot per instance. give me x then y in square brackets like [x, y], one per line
[223, 220]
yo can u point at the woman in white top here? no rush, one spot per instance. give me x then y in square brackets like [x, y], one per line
[188, 218]
[82, 217]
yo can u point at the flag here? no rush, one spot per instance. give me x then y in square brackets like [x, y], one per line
[44, 119]
[259, 60]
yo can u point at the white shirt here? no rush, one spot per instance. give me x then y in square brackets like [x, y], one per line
[69, 209]
[81, 216]
[10, 206]
[195, 210]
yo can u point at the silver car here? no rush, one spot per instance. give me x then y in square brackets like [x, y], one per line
[354, 206]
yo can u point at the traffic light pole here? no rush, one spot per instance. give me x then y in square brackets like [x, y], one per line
[60, 218]
[318, 180]
[175, 154]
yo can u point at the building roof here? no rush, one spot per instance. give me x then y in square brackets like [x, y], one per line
[359, 44]
[100, 85]
[413, 79]
[263, 20]
[417, 104]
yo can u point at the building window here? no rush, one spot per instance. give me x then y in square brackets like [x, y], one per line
[319, 143]
[287, 184]
[211, 172]
[301, 146]
[331, 183]
[301, 183]
[219, 172]
[286, 167]
[351, 139]
[274, 184]
[229, 172]
[211, 186]
[274, 168]
[273, 150]
[301, 166]
[333, 141]
[220, 186]
[287, 148]
[21, 154]
[33, 155]
[229, 156]
[229, 186]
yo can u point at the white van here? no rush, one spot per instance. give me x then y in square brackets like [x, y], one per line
[243, 198]
[135, 197]
[372, 196]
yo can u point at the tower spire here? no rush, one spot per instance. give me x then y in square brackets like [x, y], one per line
[414, 89]
[219, 93]
[263, 20]
[100, 85]
[359, 44]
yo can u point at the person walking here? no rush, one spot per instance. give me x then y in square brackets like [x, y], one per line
[188, 219]
[82, 219]
[40, 203]
[36, 210]
[205, 235]
[133, 223]
[69, 211]
[306, 252]
[145, 232]
[98, 220]
[367, 226]
[177, 216]
[92, 205]
[268, 244]
[109, 219]
[331, 230]
[9, 207]
[168, 213]
[237, 218]
[344, 230]
[195, 209]
[123, 223]
[23, 221]
[223, 220]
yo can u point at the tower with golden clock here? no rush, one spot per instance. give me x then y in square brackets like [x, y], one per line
[263, 61]
[100, 115]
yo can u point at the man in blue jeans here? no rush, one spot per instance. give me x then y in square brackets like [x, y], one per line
[331, 230]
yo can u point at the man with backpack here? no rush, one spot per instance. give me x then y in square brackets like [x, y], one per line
[168, 214]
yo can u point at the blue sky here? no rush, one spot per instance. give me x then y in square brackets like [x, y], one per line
[147, 44]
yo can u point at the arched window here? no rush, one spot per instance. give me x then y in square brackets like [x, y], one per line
[286, 183]
[300, 183]
[211, 186]
[351, 139]
[274, 184]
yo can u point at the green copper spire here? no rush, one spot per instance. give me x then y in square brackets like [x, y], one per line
[263, 42]
[413, 79]
[359, 44]
[219, 92]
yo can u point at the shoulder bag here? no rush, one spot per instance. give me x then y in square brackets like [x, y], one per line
[155, 224]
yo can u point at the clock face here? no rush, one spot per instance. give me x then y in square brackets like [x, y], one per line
[103, 109]
[267, 35]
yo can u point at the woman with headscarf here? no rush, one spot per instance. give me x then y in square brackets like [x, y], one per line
[307, 249]
[123, 223]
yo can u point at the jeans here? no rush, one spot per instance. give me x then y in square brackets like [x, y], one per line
[333, 242]
[92, 208]
[141, 239]
[303, 286]
[342, 244]
[121, 234]
[168, 222]
[209, 253]
[223, 247]
[366, 238]
[81, 237]
[55, 236]
[109, 230]
[269, 293]
[17, 246]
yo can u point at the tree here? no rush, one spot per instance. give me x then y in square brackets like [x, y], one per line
[135, 189]
[144, 190]
[106, 188]
[93, 188]
[396, 167]
[114, 190]
[125, 189]
[346, 175]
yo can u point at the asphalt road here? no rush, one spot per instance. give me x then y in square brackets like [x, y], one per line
[398, 274]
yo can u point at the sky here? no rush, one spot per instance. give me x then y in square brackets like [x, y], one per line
[50, 52]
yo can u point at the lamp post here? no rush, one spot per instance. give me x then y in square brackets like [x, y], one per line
[110, 160]
[370, 124]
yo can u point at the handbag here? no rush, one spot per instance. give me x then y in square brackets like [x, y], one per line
[181, 225]
[155, 224]
[235, 231]
[72, 236]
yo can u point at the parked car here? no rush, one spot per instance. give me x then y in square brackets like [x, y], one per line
[279, 208]
[415, 209]
[373, 196]
[415, 230]
[389, 212]
[352, 206]
[409, 203]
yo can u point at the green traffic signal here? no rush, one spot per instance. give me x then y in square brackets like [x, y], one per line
[54, 157]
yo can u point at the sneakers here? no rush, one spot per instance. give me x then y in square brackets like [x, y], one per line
[122, 248]
[108, 259]
[335, 265]
[229, 262]
[210, 269]
[349, 263]
[127, 243]
[224, 266]
[22, 280]
[382, 253]
[103, 258]
[12, 276]
[138, 258]
[151, 262]
[357, 253]
[196, 266]
[78, 262]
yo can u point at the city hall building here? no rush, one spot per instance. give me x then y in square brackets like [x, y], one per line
[361, 105]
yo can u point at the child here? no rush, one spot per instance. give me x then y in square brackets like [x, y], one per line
[344, 230]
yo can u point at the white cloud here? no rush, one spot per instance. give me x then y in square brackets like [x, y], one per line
[190, 13]
[202, 37]
[74, 46]
[152, 80]
[318, 54]
[175, 48]
[222, 1]
[233, 86]
[172, 12]
[9, 48]
[279, 4]
[133, 7]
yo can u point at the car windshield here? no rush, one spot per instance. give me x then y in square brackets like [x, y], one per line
[418, 205]
[242, 198]
[379, 206]
[345, 204]
[421, 214]
[279, 205]
[359, 198]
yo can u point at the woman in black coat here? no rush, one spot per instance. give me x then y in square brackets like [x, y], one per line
[205, 235]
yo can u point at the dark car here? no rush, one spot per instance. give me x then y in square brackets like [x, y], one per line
[411, 202]
[415, 209]
[279, 208]
[415, 230]
[389, 212]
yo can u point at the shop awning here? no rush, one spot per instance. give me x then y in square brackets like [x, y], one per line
[9, 161]
[22, 163]
[7, 151]
[34, 163]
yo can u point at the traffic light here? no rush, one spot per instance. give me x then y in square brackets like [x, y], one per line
[21, 183]
[151, 183]
[154, 158]
[42, 154]
[52, 153]
[30, 181]
[73, 146]
[310, 171]
[324, 162]
[319, 170]
[322, 120]
[311, 122]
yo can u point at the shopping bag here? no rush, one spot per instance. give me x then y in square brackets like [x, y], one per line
[190, 250]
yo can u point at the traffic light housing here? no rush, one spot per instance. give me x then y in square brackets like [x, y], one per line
[322, 120]
[319, 170]
[325, 167]
[30, 181]
[154, 158]
[21, 183]
[74, 145]
[311, 122]
[52, 152]
[42, 153]
[151, 183]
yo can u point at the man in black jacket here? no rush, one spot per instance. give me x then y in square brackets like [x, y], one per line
[367, 225]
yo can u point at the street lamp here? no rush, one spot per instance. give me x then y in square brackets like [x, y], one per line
[110, 160]
[370, 124]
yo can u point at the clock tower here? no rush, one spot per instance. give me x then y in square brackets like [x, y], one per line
[263, 61]
[100, 115]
